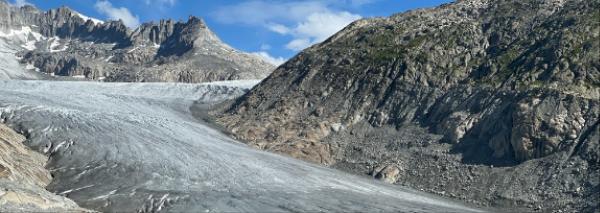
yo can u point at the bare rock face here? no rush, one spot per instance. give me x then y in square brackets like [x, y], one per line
[504, 83]
[23, 178]
[455, 74]
[65, 43]
[387, 173]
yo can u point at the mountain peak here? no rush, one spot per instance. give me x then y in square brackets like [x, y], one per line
[64, 9]
[194, 20]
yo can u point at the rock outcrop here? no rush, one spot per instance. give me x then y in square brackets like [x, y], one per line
[66, 43]
[23, 178]
[489, 83]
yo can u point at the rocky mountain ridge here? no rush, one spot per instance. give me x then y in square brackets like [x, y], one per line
[62, 42]
[433, 98]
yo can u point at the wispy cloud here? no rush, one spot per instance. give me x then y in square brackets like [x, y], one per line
[268, 58]
[318, 27]
[307, 22]
[117, 13]
[298, 44]
[278, 28]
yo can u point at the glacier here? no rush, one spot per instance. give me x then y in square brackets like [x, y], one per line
[136, 147]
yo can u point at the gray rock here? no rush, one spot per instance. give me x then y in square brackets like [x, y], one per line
[501, 85]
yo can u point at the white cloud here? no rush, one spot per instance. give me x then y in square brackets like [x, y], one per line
[298, 44]
[20, 3]
[114, 13]
[268, 58]
[319, 26]
[278, 28]
[307, 22]
[315, 28]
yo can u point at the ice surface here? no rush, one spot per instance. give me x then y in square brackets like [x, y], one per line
[130, 147]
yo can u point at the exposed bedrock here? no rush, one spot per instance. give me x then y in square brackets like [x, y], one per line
[508, 84]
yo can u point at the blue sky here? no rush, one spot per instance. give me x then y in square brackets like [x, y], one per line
[276, 29]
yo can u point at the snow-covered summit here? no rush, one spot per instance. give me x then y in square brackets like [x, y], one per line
[84, 17]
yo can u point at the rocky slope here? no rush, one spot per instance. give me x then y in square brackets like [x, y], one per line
[23, 178]
[496, 102]
[62, 42]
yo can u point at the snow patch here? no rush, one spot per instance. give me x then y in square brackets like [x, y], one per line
[130, 51]
[32, 67]
[29, 66]
[55, 43]
[105, 196]
[95, 20]
[23, 36]
[76, 189]
[24, 33]
[29, 45]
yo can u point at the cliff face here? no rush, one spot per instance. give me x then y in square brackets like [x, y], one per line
[63, 23]
[62, 42]
[493, 83]
[23, 178]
